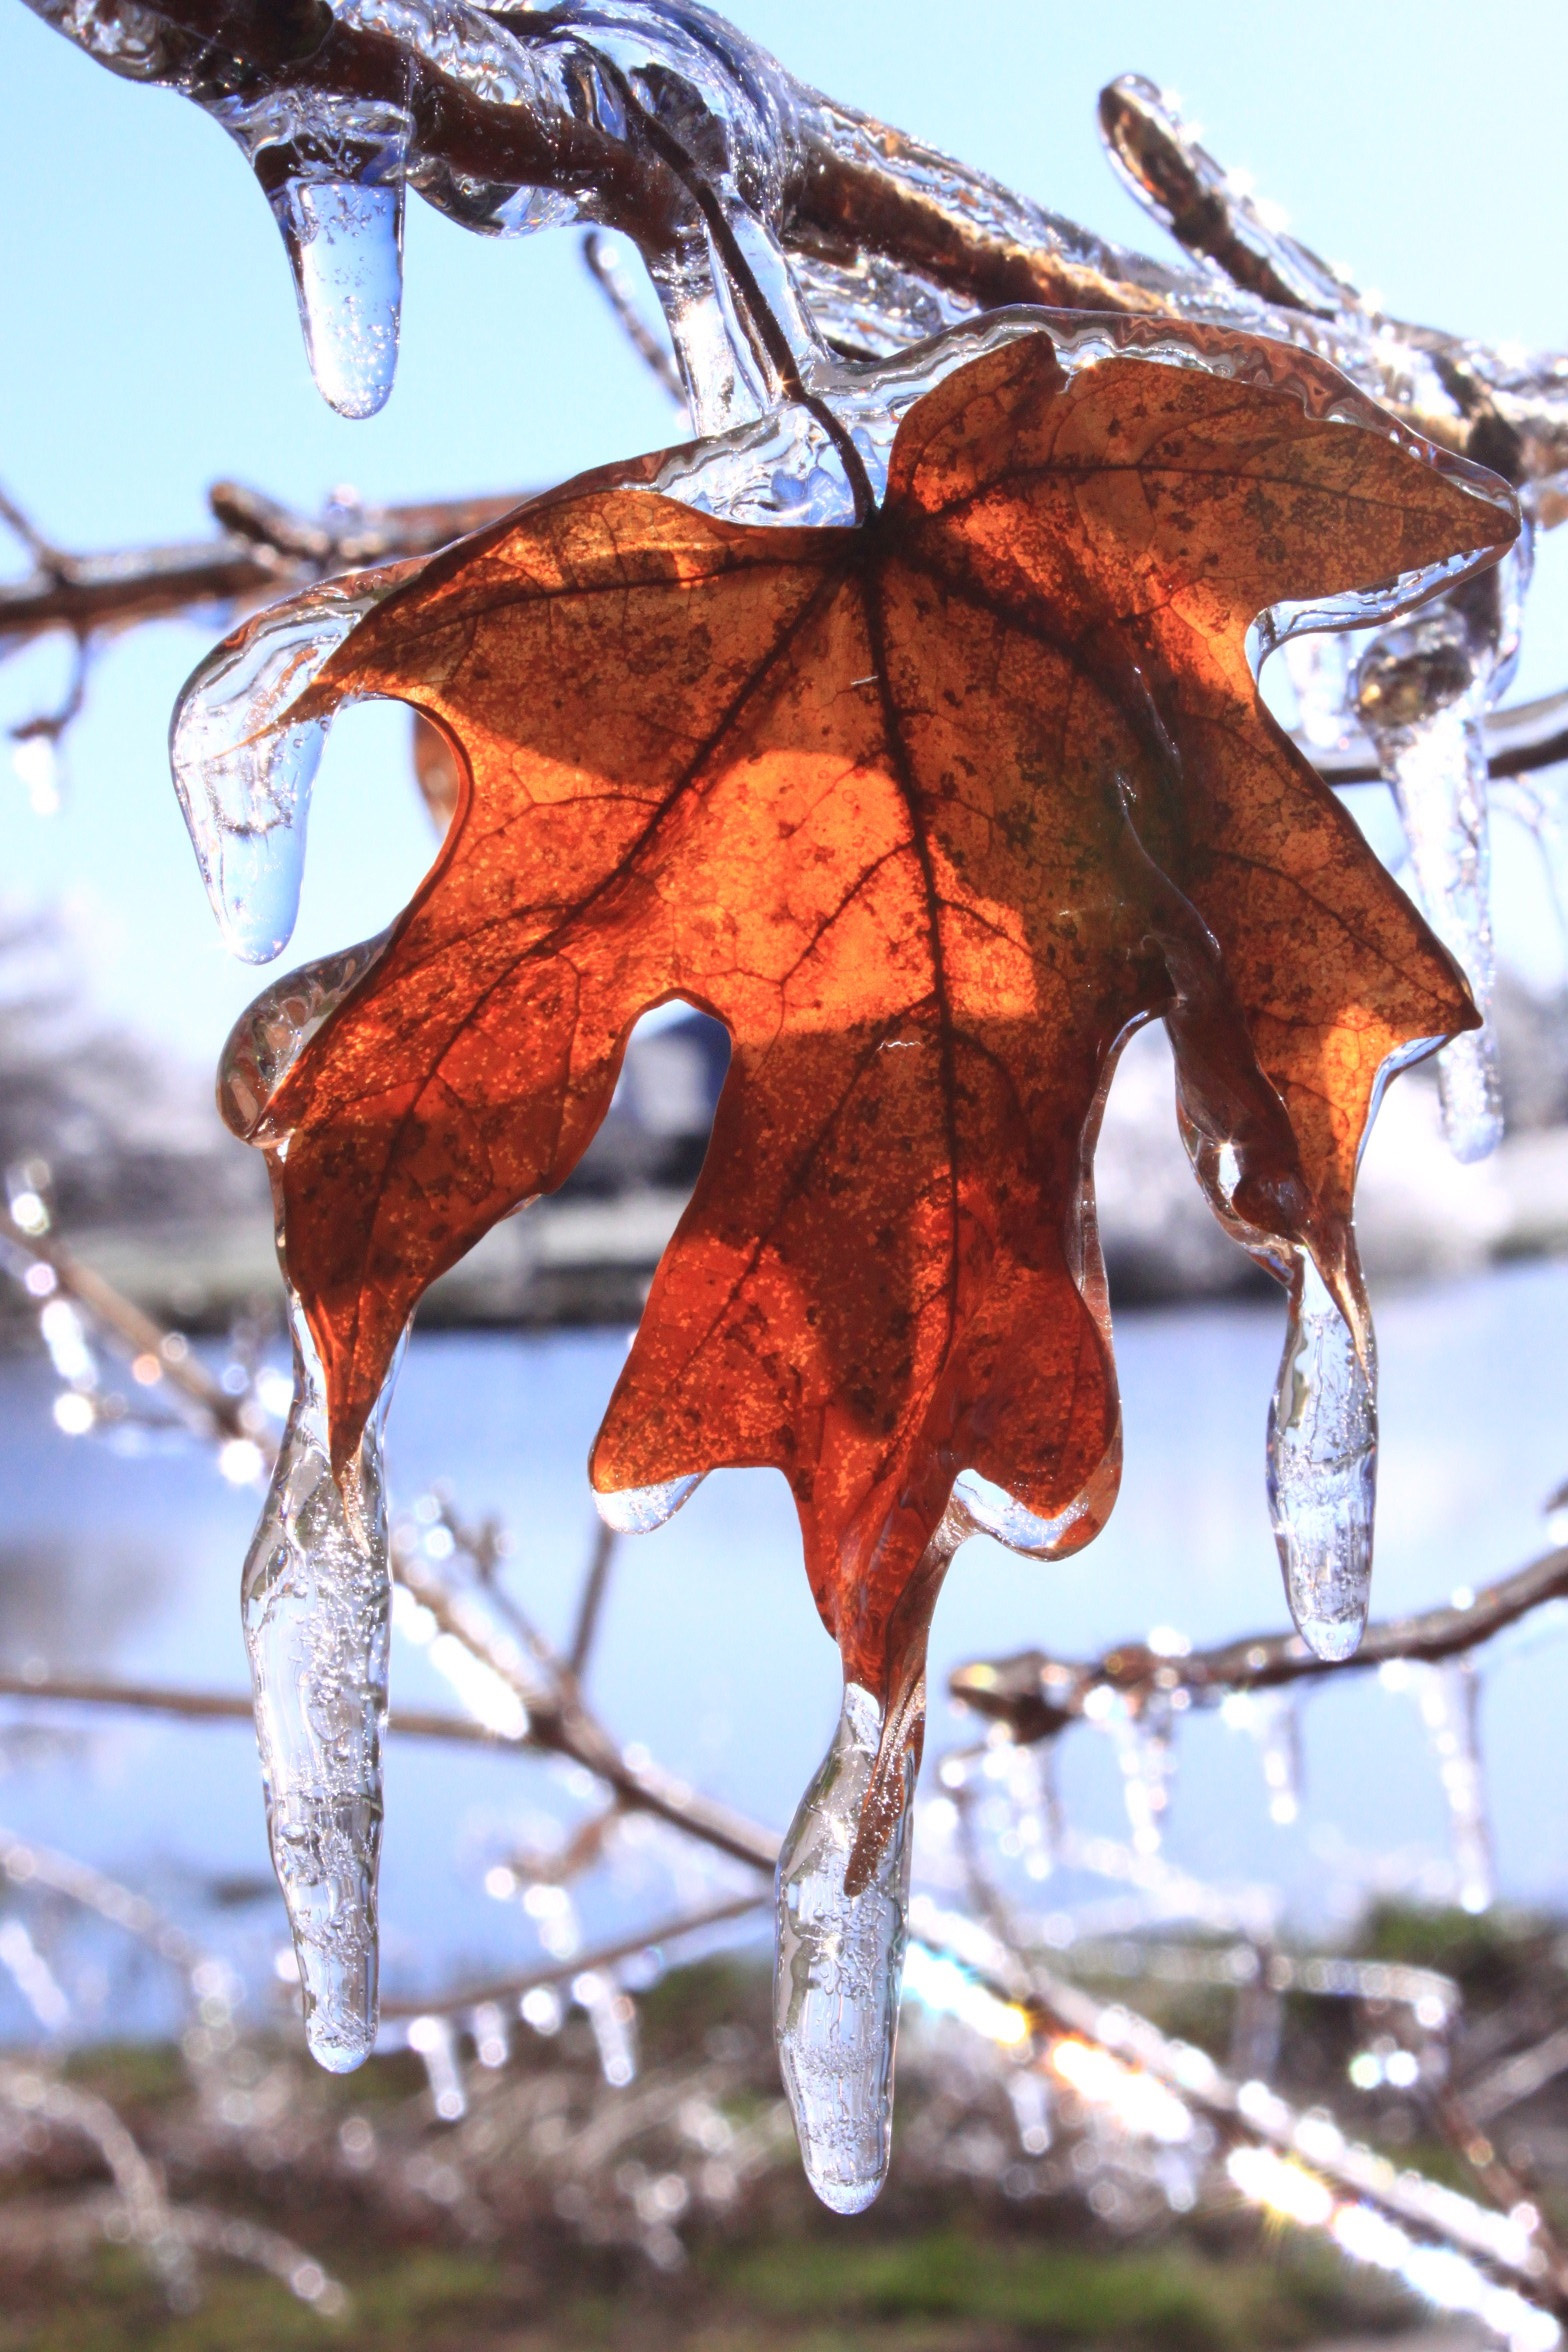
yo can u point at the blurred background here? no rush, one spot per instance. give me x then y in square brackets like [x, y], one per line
[150, 349]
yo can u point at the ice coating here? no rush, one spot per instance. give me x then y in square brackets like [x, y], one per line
[315, 1601]
[1422, 693]
[838, 1968]
[1448, 1694]
[1437, 769]
[1322, 1467]
[333, 171]
[275, 1029]
[638, 1510]
[243, 768]
[316, 1608]
[340, 215]
[992, 1510]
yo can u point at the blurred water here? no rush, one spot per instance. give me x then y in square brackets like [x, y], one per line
[711, 1655]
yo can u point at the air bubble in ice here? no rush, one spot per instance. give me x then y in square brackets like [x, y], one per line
[839, 1963]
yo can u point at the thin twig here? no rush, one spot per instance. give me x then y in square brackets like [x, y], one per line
[196, 1706]
[1037, 1695]
[595, 1586]
[265, 549]
[512, 1988]
[166, 1351]
[560, 1724]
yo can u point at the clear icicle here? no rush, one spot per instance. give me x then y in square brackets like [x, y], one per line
[612, 2015]
[333, 170]
[1322, 1468]
[1438, 773]
[316, 1607]
[1448, 1695]
[1422, 692]
[839, 1965]
[434, 2039]
[1146, 1754]
[243, 768]
[1276, 1726]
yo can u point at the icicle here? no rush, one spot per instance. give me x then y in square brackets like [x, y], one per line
[1277, 1729]
[332, 170]
[840, 1961]
[316, 1608]
[1322, 1468]
[1422, 693]
[613, 2018]
[1145, 1753]
[243, 769]
[1439, 776]
[435, 2042]
[1448, 1694]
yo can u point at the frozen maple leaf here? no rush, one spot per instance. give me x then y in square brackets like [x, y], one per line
[931, 812]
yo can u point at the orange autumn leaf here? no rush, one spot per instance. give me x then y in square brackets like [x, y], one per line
[930, 812]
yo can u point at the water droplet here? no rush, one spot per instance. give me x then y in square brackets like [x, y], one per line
[274, 1030]
[995, 1512]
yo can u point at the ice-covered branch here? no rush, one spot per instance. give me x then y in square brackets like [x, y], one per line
[263, 549]
[1036, 1696]
[560, 1724]
[1314, 2174]
[668, 124]
[514, 1989]
[198, 1706]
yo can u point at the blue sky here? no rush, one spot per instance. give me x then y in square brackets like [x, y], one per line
[151, 347]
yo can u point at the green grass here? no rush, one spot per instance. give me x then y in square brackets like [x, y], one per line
[941, 2291]
[1175, 2298]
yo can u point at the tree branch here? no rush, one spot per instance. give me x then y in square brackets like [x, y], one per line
[512, 1988]
[1036, 1696]
[264, 550]
[196, 1706]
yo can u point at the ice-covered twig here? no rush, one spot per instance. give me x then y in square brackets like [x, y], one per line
[1033, 2003]
[1036, 1695]
[868, 240]
[596, 1585]
[513, 1988]
[60, 2107]
[197, 1706]
[607, 274]
[263, 549]
[162, 1356]
[559, 1724]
